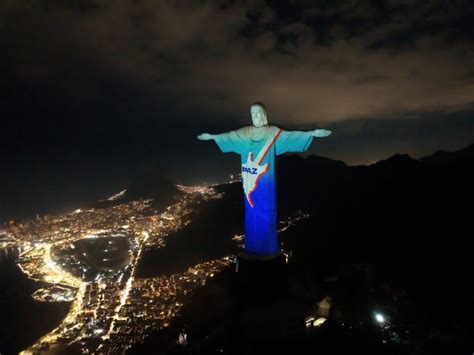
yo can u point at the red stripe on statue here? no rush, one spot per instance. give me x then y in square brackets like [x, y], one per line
[273, 142]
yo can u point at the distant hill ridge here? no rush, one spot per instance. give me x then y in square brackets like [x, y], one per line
[445, 157]
[396, 160]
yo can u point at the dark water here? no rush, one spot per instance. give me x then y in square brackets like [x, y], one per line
[104, 255]
[23, 320]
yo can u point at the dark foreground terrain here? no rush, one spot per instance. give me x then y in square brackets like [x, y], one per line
[392, 239]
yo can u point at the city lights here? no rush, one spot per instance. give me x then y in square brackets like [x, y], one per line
[81, 256]
[107, 306]
[379, 318]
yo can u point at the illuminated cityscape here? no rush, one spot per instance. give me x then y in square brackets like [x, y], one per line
[89, 257]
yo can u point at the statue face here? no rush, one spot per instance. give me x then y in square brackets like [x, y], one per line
[259, 117]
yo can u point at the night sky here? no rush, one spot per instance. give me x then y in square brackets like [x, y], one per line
[92, 91]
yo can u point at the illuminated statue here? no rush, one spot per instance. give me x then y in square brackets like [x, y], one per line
[258, 144]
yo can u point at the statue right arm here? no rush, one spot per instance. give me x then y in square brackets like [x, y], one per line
[233, 141]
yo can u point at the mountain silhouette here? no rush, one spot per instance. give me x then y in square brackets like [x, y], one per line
[442, 157]
[148, 184]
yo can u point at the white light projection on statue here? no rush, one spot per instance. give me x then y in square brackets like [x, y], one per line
[252, 170]
[258, 145]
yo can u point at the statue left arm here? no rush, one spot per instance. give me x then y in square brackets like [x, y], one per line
[297, 141]
[321, 133]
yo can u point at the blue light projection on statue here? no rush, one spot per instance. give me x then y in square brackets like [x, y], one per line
[258, 145]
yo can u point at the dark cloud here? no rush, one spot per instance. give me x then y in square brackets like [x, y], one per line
[76, 71]
[308, 60]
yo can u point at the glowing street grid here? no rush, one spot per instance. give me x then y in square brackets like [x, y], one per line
[114, 310]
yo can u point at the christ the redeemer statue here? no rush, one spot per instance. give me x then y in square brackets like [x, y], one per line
[257, 145]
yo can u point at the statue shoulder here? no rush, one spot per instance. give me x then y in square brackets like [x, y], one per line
[274, 129]
[243, 131]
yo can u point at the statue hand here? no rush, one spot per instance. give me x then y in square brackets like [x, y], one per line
[205, 137]
[321, 132]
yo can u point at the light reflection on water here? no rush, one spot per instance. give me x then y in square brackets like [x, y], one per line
[10, 254]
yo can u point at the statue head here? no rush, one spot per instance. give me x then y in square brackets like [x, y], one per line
[259, 116]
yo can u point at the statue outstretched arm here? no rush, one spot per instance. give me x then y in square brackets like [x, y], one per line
[205, 137]
[298, 141]
[321, 133]
[233, 141]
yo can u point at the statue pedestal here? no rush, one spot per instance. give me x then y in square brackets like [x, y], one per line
[261, 279]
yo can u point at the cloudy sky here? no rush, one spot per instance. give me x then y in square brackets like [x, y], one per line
[100, 85]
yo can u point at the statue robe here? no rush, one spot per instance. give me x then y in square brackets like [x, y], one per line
[258, 179]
